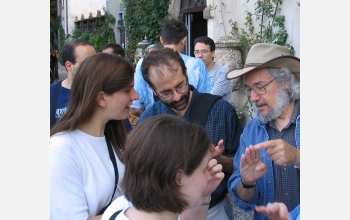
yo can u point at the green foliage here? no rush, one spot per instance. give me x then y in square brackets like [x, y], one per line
[271, 26]
[143, 18]
[101, 36]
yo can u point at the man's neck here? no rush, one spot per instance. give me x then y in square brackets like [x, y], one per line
[282, 120]
[210, 66]
[67, 83]
[179, 48]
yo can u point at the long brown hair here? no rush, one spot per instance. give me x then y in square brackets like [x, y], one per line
[99, 72]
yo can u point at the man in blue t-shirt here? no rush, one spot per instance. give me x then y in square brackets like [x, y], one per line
[72, 53]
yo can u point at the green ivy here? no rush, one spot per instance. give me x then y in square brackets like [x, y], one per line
[101, 36]
[143, 18]
[271, 26]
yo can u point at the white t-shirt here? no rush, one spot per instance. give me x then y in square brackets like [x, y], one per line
[121, 203]
[81, 175]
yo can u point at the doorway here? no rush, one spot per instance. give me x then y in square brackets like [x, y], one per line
[197, 26]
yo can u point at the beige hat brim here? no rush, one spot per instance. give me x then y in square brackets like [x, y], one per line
[293, 63]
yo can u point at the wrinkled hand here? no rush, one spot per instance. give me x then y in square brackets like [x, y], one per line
[216, 152]
[274, 211]
[217, 176]
[281, 152]
[251, 167]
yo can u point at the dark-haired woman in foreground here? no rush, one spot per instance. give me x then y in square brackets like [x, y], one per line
[168, 172]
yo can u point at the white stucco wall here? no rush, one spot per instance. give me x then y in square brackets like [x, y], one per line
[77, 8]
[225, 10]
[114, 7]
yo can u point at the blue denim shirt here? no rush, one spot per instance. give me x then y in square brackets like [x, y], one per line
[254, 133]
[197, 76]
[295, 213]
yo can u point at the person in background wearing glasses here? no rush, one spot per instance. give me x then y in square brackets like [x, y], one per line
[267, 163]
[165, 72]
[173, 35]
[204, 49]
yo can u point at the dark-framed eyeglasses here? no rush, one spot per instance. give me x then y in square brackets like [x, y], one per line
[259, 90]
[169, 94]
[202, 52]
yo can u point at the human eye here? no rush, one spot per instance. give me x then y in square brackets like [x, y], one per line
[259, 88]
[204, 51]
[181, 86]
[248, 89]
[165, 94]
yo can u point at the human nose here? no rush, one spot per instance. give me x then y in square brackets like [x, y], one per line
[134, 95]
[254, 96]
[176, 96]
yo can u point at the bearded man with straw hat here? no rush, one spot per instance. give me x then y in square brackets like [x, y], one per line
[267, 162]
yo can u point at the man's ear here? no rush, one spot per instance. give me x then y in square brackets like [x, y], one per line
[183, 41]
[161, 40]
[152, 89]
[179, 177]
[100, 99]
[68, 65]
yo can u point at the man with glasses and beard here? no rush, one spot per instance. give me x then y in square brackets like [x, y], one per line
[165, 72]
[267, 163]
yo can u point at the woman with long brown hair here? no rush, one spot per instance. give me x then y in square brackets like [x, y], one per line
[86, 144]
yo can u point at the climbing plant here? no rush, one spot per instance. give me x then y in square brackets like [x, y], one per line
[101, 36]
[143, 18]
[270, 22]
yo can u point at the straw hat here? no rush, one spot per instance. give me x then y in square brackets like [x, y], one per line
[265, 55]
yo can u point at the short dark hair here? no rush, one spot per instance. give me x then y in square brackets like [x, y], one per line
[116, 49]
[68, 50]
[173, 31]
[205, 40]
[159, 58]
[156, 150]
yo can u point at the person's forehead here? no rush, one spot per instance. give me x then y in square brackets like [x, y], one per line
[108, 50]
[81, 52]
[201, 45]
[257, 76]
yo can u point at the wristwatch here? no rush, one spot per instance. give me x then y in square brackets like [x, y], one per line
[247, 186]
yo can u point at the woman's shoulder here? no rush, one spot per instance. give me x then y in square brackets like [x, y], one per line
[120, 203]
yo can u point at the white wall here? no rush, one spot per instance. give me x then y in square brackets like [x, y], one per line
[224, 10]
[77, 8]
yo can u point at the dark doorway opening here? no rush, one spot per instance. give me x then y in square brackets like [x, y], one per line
[198, 28]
